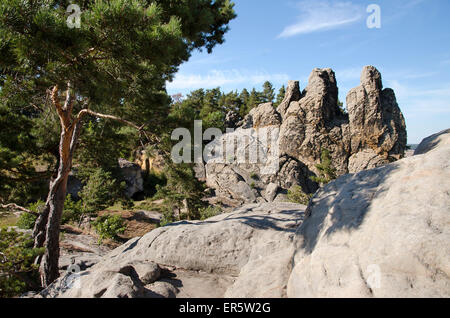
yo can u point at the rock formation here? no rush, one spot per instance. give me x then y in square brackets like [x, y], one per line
[379, 233]
[373, 133]
[382, 232]
[131, 173]
[223, 256]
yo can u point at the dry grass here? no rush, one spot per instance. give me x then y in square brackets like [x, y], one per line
[7, 219]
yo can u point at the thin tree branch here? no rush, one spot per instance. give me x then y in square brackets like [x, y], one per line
[13, 206]
[84, 112]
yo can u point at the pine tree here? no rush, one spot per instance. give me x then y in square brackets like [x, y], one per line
[114, 67]
[254, 100]
[268, 93]
[326, 171]
[244, 97]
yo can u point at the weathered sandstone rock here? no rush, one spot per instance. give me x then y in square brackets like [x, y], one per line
[372, 134]
[383, 232]
[132, 175]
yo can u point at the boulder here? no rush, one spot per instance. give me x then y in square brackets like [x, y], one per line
[132, 175]
[231, 119]
[245, 253]
[379, 233]
[314, 123]
[437, 140]
[264, 115]
[271, 192]
[365, 159]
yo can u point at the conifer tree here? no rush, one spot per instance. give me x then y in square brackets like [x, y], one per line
[268, 93]
[113, 67]
[326, 170]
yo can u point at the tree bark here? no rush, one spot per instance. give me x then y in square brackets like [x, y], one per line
[47, 227]
[46, 230]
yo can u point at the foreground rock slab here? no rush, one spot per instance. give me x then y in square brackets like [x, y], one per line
[245, 253]
[379, 233]
[383, 232]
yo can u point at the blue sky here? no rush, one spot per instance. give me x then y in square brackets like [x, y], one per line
[279, 40]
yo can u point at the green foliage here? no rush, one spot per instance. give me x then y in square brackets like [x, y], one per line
[268, 93]
[26, 220]
[151, 180]
[109, 226]
[182, 192]
[111, 140]
[17, 271]
[118, 63]
[99, 192]
[296, 195]
[168, 216]
[209, 212]
[326, 171]
[73, 210]
[342, 108]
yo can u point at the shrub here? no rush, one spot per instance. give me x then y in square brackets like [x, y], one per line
[209, 212]
[99, 191]
[296, 195]
[72, 210]
[26, 220]
[17, 271]
[109, 226]
[151, 181]
[326, 171]
[167, 217]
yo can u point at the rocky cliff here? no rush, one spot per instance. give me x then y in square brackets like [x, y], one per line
[381, 232]
[373, 133]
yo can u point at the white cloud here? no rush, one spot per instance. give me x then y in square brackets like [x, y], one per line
[224, 78]
[323, 15]
[417, 101]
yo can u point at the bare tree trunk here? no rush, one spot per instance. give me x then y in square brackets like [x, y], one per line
[47, 227]
[46, 230]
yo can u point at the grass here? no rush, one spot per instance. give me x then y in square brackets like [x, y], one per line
[7, 219]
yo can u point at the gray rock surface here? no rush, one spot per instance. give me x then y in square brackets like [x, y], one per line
[231, 119]
[373, 133]
[132, 175]
[383, 232]
[437, 140]
[293, 94]
[376, 121]
[227, 255]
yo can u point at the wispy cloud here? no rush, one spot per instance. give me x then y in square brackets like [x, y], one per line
[418, 101]
[224, 78]
[323, 15]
